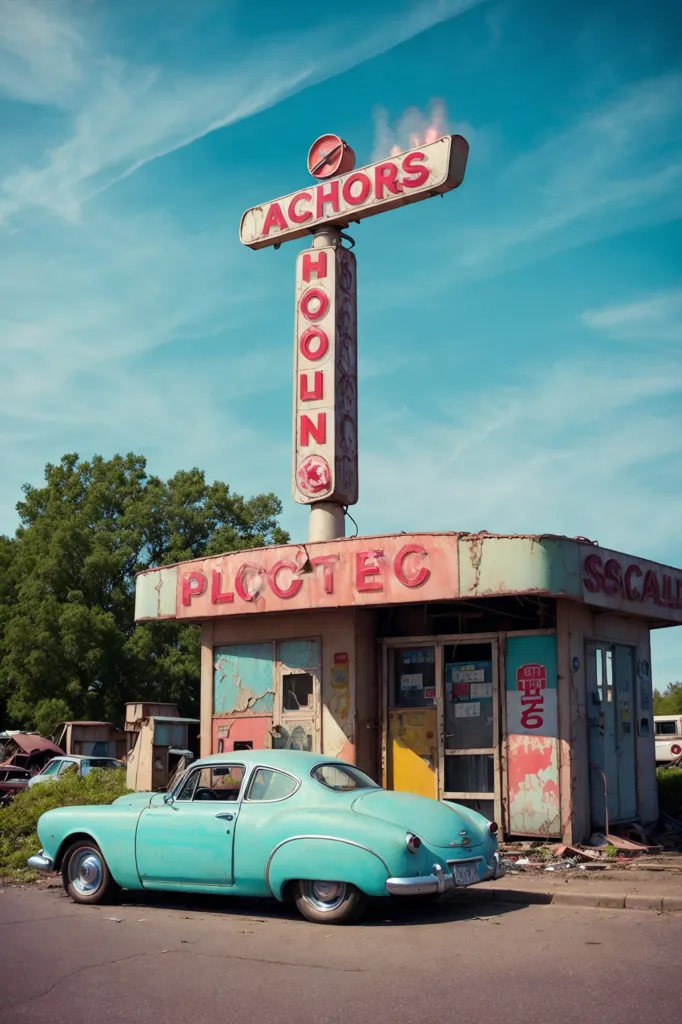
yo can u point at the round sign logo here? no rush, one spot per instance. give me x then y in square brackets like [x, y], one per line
[314, 476]
[330, 155]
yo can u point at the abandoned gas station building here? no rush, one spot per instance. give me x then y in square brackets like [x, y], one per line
[509, 673]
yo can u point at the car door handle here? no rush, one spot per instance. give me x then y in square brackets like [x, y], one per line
[225, 817]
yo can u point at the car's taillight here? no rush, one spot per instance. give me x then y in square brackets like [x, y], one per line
[493, 827]
[412, 842]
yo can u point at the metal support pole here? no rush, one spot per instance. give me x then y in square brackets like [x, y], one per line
[327, 518]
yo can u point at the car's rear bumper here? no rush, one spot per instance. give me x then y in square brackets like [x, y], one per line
[39, 862]
[439, 881]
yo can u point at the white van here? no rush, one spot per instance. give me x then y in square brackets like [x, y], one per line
[668, 731]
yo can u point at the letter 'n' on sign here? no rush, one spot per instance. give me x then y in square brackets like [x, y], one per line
[325, 366]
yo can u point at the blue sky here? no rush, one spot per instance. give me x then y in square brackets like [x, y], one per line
[520, 340]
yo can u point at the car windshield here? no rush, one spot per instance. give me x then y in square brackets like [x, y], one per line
[342, 778]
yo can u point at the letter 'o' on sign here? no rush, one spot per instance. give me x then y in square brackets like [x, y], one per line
[314, 304]
[314, 344]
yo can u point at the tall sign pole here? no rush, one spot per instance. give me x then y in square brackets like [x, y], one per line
[325, 464]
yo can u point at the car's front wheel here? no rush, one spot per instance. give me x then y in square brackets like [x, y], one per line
[85, 874]
[329, 902]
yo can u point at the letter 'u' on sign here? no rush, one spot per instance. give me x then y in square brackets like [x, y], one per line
[325, 367]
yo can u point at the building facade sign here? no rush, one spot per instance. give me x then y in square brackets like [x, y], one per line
[362, 571]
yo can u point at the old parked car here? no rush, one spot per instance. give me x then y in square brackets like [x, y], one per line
[12, 781]
[282, 823]
[58, 766]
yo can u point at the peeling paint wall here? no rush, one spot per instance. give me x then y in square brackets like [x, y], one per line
[244, 679]
[241, 680]
[532, 736]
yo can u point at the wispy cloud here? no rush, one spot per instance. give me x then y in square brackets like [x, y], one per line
[126, 115]
[579, 448]
[656, 318]
[617, 166]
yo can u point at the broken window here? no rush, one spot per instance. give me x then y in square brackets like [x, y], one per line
[297, 691]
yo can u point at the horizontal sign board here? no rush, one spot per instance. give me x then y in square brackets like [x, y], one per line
[397, 181]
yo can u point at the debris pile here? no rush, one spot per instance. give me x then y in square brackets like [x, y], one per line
[605, 850]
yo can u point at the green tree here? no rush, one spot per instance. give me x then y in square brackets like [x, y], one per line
[67, 585]
[670, 701]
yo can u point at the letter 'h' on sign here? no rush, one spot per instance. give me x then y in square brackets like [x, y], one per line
[325, 393]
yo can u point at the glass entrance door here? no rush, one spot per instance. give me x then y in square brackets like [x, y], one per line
[470, 703]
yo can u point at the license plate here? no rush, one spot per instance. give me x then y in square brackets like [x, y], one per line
[465, 874]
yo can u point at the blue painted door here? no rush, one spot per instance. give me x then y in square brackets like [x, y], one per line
[610, 692]
[190, 841]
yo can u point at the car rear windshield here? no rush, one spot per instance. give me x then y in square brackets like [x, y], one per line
[342, 778]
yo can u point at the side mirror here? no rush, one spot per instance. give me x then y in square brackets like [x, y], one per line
[168, 798]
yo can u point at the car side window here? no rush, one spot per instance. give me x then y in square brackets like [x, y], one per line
[66, 766]
[217, 782]
[269, 784]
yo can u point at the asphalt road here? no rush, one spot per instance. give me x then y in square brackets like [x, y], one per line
[190, 961]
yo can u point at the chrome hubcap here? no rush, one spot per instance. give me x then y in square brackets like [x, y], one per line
[85, 872]
[324, 896]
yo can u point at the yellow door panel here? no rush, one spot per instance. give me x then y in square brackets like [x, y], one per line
[412, 751]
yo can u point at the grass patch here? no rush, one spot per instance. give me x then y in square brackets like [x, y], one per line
[670, 791]
[18, 821]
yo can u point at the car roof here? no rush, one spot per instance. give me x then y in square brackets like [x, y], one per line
[84, 757]
[301, 761]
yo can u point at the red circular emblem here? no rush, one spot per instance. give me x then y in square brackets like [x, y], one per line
[676, 749]
[314, 476]
[330, 155]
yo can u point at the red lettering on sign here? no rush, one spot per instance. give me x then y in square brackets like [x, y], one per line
[328, 563]
[650, 588]
[308, 429]
[323, 198]
[274, 219]
[593, 580]
[531, 681]
[612, 578]
[317, 266]
[193, 584]
[385, 177]
[244, 581]
[314, 304]
[308, 338]
[295, 585]
[357, 198]
[294, 216]
[631, 592]
[415, 579]
[218, 596]
[364, 572]
[313, 394]
[413, 164]
[532, 712]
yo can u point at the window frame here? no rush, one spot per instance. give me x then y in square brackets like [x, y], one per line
[198, 769]
[332, 764]
[269, 768]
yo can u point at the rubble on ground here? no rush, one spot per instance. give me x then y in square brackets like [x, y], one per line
[624, 846]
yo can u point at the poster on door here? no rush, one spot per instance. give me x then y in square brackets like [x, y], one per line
[532, 736]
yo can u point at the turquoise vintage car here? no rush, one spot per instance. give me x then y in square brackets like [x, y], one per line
[288, 824]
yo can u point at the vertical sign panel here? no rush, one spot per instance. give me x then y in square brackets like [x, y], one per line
[325, 369]
[532, 736]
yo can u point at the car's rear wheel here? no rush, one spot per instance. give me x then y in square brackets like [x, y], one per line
[85, 874]
[329, 902]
